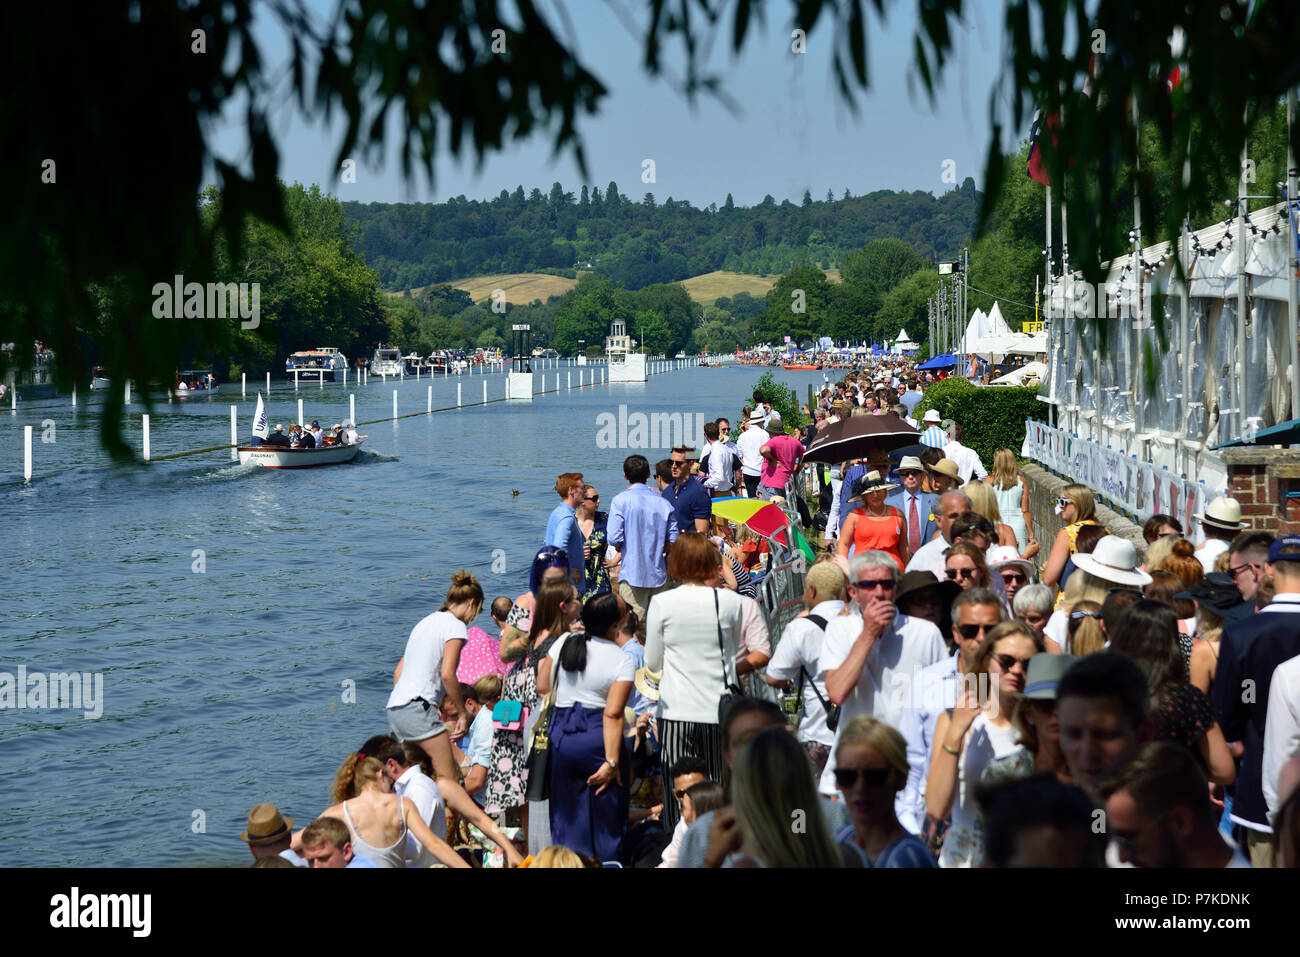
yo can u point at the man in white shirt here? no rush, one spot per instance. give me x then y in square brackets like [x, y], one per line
[750, 441]
[871, 657]
[409, 781]
[968, 460]
[1281, 728]
[794, 666]
[720, 479]
[1158, 811]
[769, 414]
[1220, 523]
[949, 507]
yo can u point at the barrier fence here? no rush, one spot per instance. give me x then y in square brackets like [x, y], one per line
[1140, 489]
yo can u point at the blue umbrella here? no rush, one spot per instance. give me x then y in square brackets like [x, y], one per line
[941, 362]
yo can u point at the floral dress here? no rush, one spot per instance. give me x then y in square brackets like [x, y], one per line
[507, 779]
[597, 575]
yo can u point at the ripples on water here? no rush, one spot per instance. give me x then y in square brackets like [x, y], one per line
[224, 689]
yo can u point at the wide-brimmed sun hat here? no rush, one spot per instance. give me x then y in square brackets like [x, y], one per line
[910, 462]
[1218, 593]
[871, 482]
[946, 467]
[1115, 560]
[1005, 556]
[647, 682]
[1224, 512]
[932, 415]
[918, 581]
[758, 415]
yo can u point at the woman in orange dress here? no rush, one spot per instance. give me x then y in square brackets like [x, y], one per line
[875, 525]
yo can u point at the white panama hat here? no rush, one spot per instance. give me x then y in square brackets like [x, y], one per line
[1115, 560]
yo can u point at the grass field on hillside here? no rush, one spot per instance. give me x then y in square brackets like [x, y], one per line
[522, 288]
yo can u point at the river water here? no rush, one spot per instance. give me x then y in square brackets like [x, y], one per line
[228, 609]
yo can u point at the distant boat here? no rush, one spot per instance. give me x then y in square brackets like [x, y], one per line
[207, 384]
[99, 378]
[386, 361]
[323, 363]
[800, 368]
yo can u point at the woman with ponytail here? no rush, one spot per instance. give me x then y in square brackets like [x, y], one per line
[425, 675]
[589, 766]
[377, 818]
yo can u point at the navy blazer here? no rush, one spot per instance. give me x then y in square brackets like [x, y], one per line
[1248, 652]
[926, 502]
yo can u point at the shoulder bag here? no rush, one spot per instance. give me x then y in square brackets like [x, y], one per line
[539, 754]
[731, 692]
[832, 710]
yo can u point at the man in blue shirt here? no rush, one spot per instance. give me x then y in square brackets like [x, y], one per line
[562, 528]
[689, 499]
[641, 526]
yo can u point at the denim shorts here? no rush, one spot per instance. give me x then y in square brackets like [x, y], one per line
[415, 721]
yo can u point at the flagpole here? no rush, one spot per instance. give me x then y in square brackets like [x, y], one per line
[1291, 255]
[1137, 275]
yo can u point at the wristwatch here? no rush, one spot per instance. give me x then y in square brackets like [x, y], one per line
[612, 764]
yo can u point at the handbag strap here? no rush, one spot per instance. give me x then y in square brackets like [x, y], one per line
[722, 651]
[820, 622]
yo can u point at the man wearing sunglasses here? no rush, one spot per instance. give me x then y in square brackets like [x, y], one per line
[1246, 557]
[949, 507]
[870, 658]
[975, 612]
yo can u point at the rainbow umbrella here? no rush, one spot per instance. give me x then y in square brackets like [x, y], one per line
[763, 518]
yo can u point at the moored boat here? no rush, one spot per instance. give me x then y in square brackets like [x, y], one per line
[197, 382]
[99, 378]
[323, 363]
[386, 361]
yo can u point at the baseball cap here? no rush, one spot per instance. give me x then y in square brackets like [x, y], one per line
[1285, 543]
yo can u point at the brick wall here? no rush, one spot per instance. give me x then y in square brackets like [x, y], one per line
[1260, 479]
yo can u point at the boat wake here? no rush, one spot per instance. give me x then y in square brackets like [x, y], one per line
[369, 458]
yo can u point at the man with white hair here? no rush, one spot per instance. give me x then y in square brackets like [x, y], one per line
[871, 656]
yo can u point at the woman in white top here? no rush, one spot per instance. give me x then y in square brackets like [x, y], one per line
[588, 765]
[685, 627]
[977, 730]
[427, 673]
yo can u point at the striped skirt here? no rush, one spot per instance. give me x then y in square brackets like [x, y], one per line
[681, 739]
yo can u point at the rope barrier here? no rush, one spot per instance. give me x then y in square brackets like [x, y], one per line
[408, 415]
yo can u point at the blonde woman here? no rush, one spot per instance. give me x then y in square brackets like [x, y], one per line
[1077, 508]
[1013, 500]
[983, 502]
[870, 769]
[771, 785]
[379, 819]
[1081, 588]
[975, 732]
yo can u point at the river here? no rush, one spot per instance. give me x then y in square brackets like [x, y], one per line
[229, 609]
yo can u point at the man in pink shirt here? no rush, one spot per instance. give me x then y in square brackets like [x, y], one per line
[781, 456]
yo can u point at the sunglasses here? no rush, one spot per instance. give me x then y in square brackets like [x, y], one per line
[677, 465]
[1064, 502]
[871, 777]
[1007, 662]
[1013, 578]
[592, 498]
[966, 573]
[971, 632]
[1235, 570]
[887, 584]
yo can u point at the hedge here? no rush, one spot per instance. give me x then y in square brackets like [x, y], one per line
[993, 418]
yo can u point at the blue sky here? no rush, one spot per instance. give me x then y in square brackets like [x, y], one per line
[791, 132]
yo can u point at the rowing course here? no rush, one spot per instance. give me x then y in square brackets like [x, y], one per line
[225, 687]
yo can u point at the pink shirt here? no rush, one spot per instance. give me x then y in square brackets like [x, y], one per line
[479, 657]
[787, 450]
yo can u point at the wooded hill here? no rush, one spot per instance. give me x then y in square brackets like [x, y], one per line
[641, 243]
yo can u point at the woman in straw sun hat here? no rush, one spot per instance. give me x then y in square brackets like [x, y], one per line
[875, 525]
